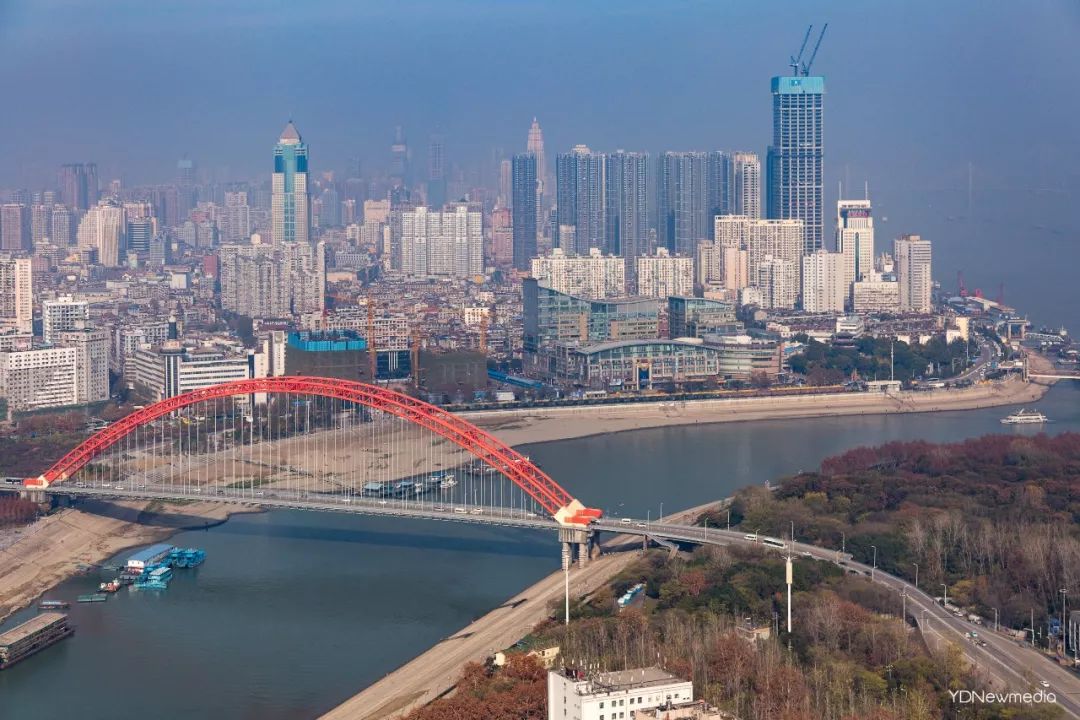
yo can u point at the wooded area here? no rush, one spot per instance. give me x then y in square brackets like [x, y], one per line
[832, 364]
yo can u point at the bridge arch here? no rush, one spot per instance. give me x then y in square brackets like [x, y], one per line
[482, 445]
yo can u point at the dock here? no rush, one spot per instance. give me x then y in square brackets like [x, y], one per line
[32, 636]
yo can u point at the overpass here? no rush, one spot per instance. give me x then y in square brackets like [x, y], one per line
[331, 445]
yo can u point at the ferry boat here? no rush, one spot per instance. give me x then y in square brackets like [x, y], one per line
[1024, 417]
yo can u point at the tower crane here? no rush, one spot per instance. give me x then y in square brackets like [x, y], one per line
[800, 68]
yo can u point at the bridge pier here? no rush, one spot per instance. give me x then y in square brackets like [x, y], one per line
[576, 542]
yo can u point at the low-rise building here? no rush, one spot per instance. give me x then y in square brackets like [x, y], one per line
[162, 373]
[613, 695]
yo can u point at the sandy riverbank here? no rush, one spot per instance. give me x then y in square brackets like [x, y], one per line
[50, 550]
[548, 424]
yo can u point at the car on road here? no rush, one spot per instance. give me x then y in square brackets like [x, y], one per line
[752, 537]
[626, 521]
[641, 525]
[1044, 683]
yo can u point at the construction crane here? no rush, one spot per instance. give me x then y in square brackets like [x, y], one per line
[799, 67]
[960, 282]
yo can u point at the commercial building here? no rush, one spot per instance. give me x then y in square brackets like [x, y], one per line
[741, 357]
[442, 244]
[913, 273]
[17, 293]
[62, 314]
[855, 238]
[592, 275]
[289, 202]
[37, 379]
[552, 317]
[663, 274]
[795, 161]
[613, 695]
[746, 180]
[823, 282]
[691, 317]
[234, 220]
[524, 208]
[162, 373]
[875, 295]
[62, 224]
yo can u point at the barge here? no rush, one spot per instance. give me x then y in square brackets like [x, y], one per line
[34, 635]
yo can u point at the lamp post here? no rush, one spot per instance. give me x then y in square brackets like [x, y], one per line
[729, 519]
[995, 619]
[843, 543]
[661, 513]
[1064, 599]
[945, 600]
[916, 575]
[873, 569]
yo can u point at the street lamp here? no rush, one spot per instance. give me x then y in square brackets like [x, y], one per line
[729, 519]
[1064, 652]
[661, 512]
[874, 568]
[843, 543]
[945, 601]
[916, 575]
[995, 619]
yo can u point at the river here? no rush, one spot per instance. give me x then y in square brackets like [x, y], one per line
[293, 612]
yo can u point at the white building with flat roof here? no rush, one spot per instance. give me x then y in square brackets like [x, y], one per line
[823, 282]
[613, 695]
[63, 314]
[913, 259]
[664, 274]
[594, 276]
[16, 294]
[36, 379]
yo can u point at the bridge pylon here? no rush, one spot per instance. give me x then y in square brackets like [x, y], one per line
[577, 542]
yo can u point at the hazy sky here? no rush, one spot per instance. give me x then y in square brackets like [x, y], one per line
[917, 90]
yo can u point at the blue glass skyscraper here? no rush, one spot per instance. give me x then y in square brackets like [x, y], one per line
[289, 203]
[795, 182]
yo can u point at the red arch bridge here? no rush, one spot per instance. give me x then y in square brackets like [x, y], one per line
[322, 444]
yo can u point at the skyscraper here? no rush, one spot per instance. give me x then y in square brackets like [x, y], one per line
[399, 159]
[746, 181]
[63, 226]
[16, 294]
[140, 232]
[718, 186]
[14, 227]
[289, 203]
[682, 202]
[855, 239]
[823, 288]
[795, 156]
[78, 185]
[436, 182]
[447, 244]
[581, 208]
[535, 145]
[102, 228]
[913, 264]
[523, 180]
[185, 183]
[626, 190]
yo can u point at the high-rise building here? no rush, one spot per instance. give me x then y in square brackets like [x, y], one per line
[777, 239]
[102, 228]
[272, 280]
[581, 208]
[501, 254]
[42, 378]
[692, 188]
[524, 208]
[187, 192]
[626, 191]
[40, 222]
[446, 244]
[61, 315]
[778, 281]
[663, 274]
[289, 202]
[823, 282]
[746, 179]
[17, 293]
[913, 265]
[855, 238]
[140, 233]
[78, 184]
[593, 275]
[436, 180]
[399, 159]
[794, 170]
[234, 220]
[535, 145]
[62, 226]
[14, 227]
[91, 362]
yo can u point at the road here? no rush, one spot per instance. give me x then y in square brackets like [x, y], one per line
[1009, 662]
[433, 673]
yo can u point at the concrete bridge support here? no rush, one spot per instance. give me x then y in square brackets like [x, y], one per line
[576, 542]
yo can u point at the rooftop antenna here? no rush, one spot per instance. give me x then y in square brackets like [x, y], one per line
[866, 189]
[796, 60]
[806, 66]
